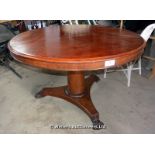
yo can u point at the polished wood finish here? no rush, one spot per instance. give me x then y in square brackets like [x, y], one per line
[83, 101]
[76, 49]
[76, 83]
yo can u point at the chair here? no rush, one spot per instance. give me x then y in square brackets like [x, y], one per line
[152, 59]
[26, 25]
[69, 22]
[146, 33]
[77, 22]
[6, 35]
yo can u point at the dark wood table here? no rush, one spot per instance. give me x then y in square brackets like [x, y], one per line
[76, 49]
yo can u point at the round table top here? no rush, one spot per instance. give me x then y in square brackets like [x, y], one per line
[76, 47]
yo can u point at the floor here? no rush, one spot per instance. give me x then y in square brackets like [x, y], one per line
[122, 109]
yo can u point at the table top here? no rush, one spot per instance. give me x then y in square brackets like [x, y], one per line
[76, 47]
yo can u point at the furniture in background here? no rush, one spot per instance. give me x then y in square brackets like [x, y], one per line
[5, 35]
[129, 67]
[126, 69]
[26, 25]
[78, 22]
[76, 49]
[151, 58]
[121, 24]
[145, 34]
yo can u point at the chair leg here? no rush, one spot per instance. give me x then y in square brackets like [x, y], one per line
[140, 66]
[129, 74]
[105, 73]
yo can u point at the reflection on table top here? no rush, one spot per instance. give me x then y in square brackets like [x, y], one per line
[76, 43]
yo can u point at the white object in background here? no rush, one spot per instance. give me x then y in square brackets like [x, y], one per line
[109, 63]
[39, 24]
[29, 27]
[147, 32]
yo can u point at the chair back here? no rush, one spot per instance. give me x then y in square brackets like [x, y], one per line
[146, 33]
[76, 22]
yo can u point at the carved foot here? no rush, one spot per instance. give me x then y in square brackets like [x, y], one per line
[97, 125]
[39, 95]
[83, 100]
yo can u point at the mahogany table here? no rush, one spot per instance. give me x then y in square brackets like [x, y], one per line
[76, 49]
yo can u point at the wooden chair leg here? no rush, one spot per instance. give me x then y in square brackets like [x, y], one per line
[152, 73]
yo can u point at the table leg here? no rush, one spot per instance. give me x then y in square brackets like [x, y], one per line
[77, 92]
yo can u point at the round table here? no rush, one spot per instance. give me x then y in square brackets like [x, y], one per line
[76, 49]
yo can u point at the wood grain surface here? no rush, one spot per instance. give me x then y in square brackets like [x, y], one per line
[76, 47]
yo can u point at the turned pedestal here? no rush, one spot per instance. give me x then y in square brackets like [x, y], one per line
[77, 92]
